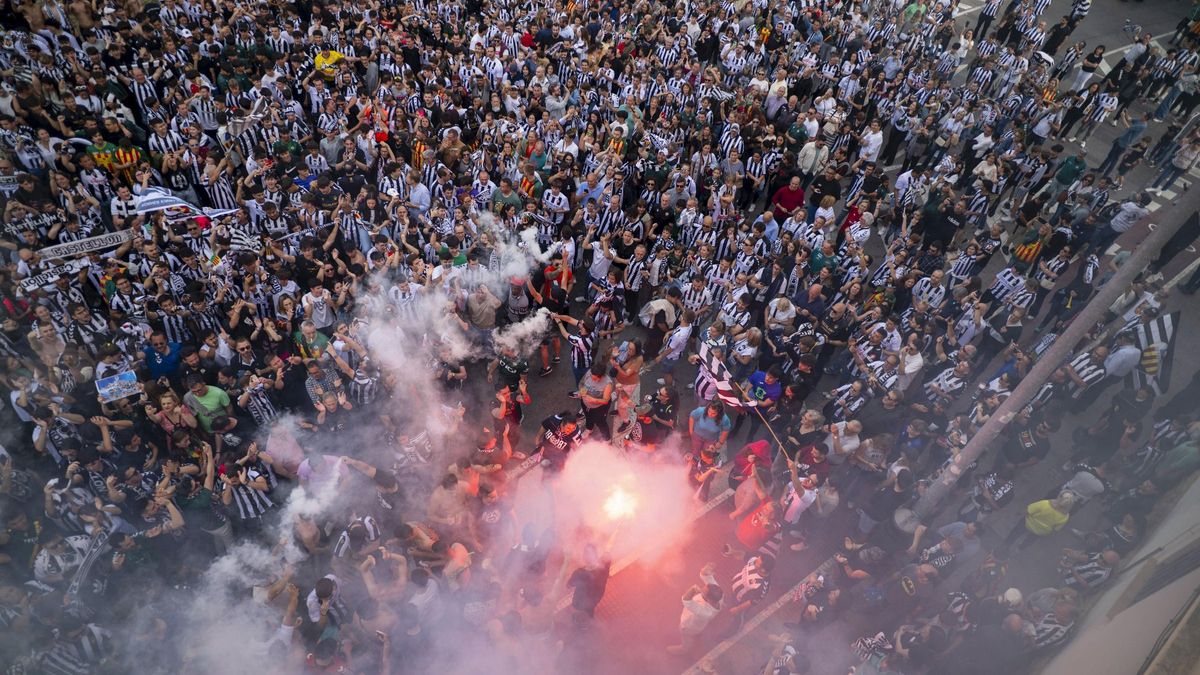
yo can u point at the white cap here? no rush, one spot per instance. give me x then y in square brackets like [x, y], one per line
[1012, 597]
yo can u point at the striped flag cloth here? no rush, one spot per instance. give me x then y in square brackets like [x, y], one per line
[1157, 342]
[719, 375]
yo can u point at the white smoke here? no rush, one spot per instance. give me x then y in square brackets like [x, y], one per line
[527, 335]
[529, 241]
[228, 628]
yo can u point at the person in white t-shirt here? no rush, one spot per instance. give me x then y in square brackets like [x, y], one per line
[318, 305]
[700, 605]
[872, 142]
[602, 255]
[842, 440]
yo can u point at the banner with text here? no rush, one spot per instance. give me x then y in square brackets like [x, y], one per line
[88, 245]
[46, 278]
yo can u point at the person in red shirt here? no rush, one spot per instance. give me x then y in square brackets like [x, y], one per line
[760, 450]
[757, 528]
[557, 274]
[810, 461]
[789, 199]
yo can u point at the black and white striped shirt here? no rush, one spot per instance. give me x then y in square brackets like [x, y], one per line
[78, 655]
[1055, 265]
[1093, 572]
[847, 403]
[250, 503]
[1088, 370]
[611, 220]
[206, 113]
[175, 326]
[733, 316]
[1007, 282]
[341, 547]
[582, 351]
[363, 388]
[932, 293]
[1023, 298]
[144, 92]
[169, 142]
[697, 300]
[946, 385]
[260, 406]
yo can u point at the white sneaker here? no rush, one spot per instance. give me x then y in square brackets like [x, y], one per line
[1071, 139]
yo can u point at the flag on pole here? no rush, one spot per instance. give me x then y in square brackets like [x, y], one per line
[1156, 339]
[719, 375]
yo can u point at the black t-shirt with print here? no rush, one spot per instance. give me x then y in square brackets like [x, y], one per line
[1025, 445]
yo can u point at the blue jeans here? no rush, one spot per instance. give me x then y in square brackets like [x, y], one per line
[1163, 151]
[1102, 238]
[1167, 177]
[1169, 100]
[1110, 161]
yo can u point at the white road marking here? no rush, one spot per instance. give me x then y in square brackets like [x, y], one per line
[749, 627]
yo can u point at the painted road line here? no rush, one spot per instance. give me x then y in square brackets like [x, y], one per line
[1153, 38]
[628, 560]
[751, 625]
[1104, 65]
[1187, 272]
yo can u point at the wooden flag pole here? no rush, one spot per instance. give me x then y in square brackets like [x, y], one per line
[762, 417]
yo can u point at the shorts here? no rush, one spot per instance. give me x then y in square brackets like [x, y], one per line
[667, 366]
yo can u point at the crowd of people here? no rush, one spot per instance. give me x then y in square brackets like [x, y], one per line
[268, 263]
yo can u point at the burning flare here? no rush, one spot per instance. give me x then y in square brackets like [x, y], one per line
[620, 504]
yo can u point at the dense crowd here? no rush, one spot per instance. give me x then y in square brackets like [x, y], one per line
[267, 263]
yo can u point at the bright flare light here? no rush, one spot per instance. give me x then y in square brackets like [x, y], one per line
[620, 504]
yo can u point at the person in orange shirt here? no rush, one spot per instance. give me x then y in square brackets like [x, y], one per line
[125, 161]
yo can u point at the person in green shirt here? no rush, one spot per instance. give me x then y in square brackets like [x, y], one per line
[1070, 170]
[660, 169]
[632, 116]
[914, 13]
[206, 402]
[286, 143]
[797, 135]
[309, 341]
[825, 257]
[1180, 462]
[539, 156]
[102, 151]
[505, 196]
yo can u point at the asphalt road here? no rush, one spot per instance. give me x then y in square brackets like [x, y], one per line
[640, 612]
